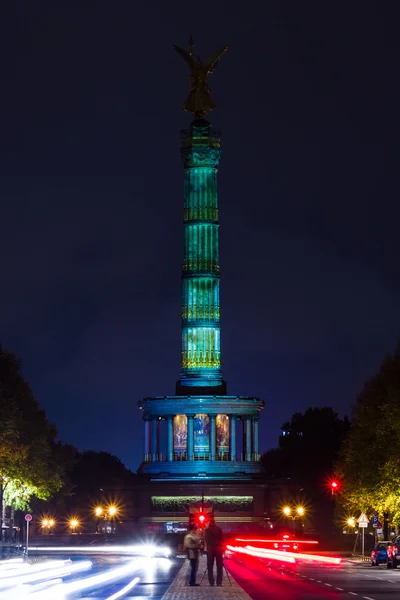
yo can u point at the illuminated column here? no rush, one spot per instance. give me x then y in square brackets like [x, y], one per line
[190, 437]
[243, 455]
[147, 439]
[213, 438]
[201, 356]
[248, 438]
[255, 436]
[233, 437]
[154, 438]
[170, 443]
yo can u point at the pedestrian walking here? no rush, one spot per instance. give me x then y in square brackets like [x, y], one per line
[192, 543]
[215, 548]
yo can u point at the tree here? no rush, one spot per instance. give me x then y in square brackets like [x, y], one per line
[96, 478]
[308, 446]
[28, 447]
[369, 461]
[308, 449]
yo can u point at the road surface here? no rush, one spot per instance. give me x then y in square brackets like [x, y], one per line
[271, 581]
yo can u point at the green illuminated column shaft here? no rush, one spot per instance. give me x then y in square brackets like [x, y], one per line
[201, 353]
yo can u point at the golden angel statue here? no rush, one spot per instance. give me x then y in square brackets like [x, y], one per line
[199, 101]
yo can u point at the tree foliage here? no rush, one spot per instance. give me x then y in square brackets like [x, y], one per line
[309, 446]
[28, 447]
[369, 461]
[98, 477]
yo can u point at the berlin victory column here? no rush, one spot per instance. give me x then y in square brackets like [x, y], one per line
[199, 423]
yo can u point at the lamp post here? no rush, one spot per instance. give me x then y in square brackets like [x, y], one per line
[106, 513]
[294, 513]
[47, 524]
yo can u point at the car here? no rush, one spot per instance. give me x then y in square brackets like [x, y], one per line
[379, 554]
[393, 553]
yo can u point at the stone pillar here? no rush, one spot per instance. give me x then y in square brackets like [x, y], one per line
[190, 437]
[243, 424]
[248, 438]
[255, 436]
[170, 438]
[213, 438]
[233, 437]
[146, 440]
[154, 438]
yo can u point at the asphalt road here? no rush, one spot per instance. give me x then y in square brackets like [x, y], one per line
[155, 576]
[271, 581]
[155, 579]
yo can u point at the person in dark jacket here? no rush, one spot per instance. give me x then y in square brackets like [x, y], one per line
[214, 548]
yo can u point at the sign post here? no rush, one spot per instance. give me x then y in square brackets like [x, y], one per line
[374, 521]
[28, 519]
[363, 523]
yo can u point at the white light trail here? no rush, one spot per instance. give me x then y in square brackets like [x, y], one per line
[124, 590]
[47, 571]
[64, 590]
[140, 550]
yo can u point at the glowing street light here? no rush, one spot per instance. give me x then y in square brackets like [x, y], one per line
[47, 523]
[73, 524]
[98, 511]
[351, 522]
[112, 511]
[294, 513]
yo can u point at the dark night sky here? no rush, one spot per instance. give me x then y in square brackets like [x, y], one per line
[92, 202]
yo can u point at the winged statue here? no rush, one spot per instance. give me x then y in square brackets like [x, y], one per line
[199, 101]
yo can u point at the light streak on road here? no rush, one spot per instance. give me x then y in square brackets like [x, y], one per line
[64, 591]
[11, 563]
[279, 555]
[124, 590]
[43, 571]
[140, 550]
[262, 553]
[275, 540]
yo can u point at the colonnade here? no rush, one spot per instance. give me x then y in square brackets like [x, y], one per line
[249, 451]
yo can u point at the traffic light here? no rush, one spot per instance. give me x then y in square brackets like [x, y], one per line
[334, 485]
[200, 519]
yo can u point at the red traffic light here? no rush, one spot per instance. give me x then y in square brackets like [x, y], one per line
[334, 484]
[202, 518]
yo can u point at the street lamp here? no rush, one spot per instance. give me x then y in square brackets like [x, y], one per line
[47, 524]
[73, 524]
[296, 513]
[105, 513]
[351, 522]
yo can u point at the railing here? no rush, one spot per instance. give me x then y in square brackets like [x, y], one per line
[244, 457]
[159, 457]
[180, 456]
[201, 456]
